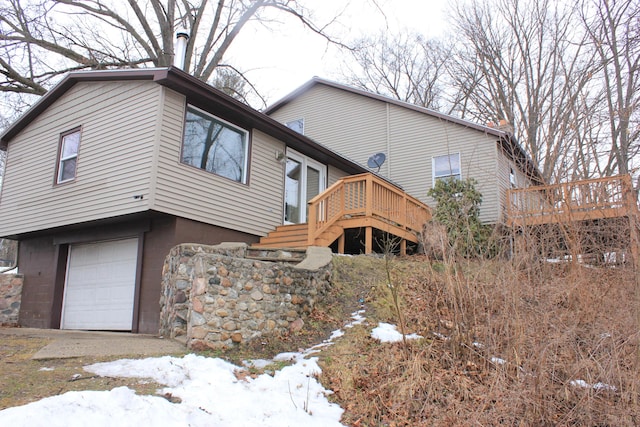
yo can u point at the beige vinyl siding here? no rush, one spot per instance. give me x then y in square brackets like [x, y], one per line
[504, 168]
[349, 124]
[118, 131]
[334, 174]
[416, 138]
[255, 207]
[358, 126]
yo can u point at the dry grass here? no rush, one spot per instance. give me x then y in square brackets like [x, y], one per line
[514, 342]
[504, 339]
[24, 380]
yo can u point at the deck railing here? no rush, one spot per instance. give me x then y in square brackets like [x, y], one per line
[365, 195]
[578, 200]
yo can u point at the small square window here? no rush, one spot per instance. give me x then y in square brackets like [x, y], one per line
[446, 167]
[68, 156]
[297, 125]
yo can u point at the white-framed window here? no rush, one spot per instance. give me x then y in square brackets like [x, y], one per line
[68, 149]
[446, 167]
[513, 181]
[214, 145]
[297, 125]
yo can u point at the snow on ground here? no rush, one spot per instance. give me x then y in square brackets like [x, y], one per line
[596, 386]
[386, 332]
[210, 392]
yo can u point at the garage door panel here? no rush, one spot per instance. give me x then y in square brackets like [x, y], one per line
[100, 285]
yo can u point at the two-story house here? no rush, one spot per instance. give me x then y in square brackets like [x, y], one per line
[419, 145]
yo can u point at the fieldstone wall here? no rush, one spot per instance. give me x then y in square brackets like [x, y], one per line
[213, 296]
[10, 296]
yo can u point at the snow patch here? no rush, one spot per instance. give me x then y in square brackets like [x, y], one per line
[386, 332]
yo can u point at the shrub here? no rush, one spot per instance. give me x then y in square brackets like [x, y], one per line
[458, 209]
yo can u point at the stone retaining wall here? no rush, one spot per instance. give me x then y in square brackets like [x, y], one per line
[214, 297]
[10, 296]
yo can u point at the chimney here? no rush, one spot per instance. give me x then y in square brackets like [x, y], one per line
[180, 49]
[502, 125]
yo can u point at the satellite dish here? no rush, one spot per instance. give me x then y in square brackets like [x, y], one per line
[376, 161]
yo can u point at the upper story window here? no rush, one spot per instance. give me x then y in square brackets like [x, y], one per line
[68, 156]
[512, 178]
[446, 167]
[297, 125]
[215, 145]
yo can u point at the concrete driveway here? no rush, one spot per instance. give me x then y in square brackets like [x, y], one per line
[67, 344]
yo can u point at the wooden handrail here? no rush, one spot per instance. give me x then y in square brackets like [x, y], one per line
[365, 195]
[571, 200]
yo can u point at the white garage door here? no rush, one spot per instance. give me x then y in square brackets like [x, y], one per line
[100, 286]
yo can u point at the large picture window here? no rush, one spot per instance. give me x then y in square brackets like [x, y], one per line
[214, 145]
[68, 156]
[446, 167]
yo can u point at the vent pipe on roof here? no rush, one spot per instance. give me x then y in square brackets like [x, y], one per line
[182, 37]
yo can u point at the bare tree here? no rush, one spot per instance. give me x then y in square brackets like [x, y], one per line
[613, 28]
[525, 62]
[528, 63]
[234, 83]
[406, 67]
[42, 39]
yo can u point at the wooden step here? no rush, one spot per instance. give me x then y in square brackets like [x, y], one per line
[288, 232]
[303, 226]
[282, 243]
[286, 236]
[272, 238]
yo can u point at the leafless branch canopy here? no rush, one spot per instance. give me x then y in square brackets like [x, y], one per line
[565, 75]
[42, 39]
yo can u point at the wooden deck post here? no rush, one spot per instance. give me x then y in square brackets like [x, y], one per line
[368, 240]
[341, 243]
[312, 221]
[368, 191]
[403, 247]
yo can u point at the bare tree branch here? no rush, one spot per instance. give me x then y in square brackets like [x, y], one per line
[44, 38]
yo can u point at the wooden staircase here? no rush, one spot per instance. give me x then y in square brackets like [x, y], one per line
[361, 201]
[286, 236]
[296, 236]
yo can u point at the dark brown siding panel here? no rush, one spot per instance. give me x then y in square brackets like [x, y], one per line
[61, 257]
[157, 243]
[188, 231]
[36, 261]
[43, 262]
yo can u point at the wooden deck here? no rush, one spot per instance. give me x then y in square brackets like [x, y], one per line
[355, 202]
[609, 197]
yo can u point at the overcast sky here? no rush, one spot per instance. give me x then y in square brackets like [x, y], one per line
[277, 61]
